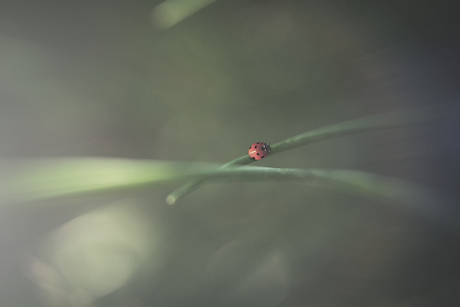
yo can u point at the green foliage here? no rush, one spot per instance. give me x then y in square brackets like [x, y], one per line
[362, 125]
[28, 180]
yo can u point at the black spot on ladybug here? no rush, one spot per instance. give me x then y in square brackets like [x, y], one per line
[258, 154]
[255, 146]
[263, 157]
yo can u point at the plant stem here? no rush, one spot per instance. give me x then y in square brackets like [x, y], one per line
[366, 124]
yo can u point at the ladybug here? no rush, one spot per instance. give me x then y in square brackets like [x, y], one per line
[259, 150]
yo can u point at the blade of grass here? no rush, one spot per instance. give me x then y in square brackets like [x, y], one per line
[417, 198]
[47, 178]
[34, 179]
[367, 124]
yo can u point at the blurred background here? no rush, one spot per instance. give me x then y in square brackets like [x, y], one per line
[200, 81]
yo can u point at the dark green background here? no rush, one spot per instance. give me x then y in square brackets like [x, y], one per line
[97, 78]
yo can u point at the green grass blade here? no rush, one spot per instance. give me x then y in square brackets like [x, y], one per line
[34, 179]
[29, 180]
[416, 199]
[367, 124]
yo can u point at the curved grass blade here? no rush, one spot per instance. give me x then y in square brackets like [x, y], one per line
[417, 199]
[367, 124]
[34, 179]
[47, 178]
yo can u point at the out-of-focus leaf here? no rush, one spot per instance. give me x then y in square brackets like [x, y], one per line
[29, 180]
[25, 180]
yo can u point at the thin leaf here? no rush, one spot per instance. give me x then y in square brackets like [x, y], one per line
[367, 124]
[24, 180]
[29, 180]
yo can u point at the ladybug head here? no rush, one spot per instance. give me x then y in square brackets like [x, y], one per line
[266, 147]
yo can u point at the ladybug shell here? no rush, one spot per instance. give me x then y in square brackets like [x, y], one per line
[259, 150]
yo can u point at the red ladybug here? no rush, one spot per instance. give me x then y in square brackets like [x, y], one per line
[259, 150]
